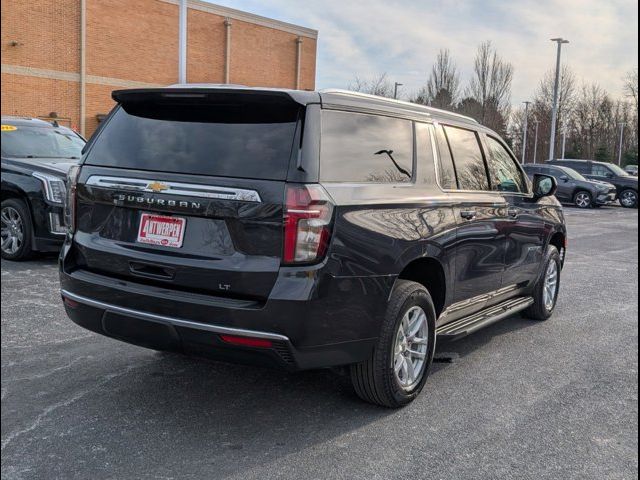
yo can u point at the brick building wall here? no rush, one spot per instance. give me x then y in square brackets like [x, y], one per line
[134, 43]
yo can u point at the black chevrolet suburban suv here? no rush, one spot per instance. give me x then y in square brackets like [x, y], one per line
[304, 230]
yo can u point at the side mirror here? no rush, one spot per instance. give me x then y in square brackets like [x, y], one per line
[564, 178]
[544, 186]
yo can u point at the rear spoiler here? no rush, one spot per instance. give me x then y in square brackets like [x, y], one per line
[215, 95]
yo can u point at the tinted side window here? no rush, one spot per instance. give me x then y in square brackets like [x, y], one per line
[468, 160]
[447, 171]
[365, 148]
[424, 152]
[505, 174]
[555, 172]
[581, 167]
[601, 171]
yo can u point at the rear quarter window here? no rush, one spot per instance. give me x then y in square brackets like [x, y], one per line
[363, 148]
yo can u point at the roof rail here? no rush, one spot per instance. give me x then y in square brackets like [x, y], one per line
[397, 102]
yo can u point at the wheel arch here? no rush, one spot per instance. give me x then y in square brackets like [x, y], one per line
[578, 189]
[430, 273]
[559, 240]
[11, 191]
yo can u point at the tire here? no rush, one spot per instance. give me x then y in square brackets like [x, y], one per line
[629, 198]
[375, 380]
[583, 199]
[541, 309]
[16, 224]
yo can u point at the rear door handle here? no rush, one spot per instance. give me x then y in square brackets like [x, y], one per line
[513, 212]
[468, 214]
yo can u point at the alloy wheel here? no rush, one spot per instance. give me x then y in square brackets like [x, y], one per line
[410, 349]
[12, 230]
[550, 285]
[583, 200]
[628, 198]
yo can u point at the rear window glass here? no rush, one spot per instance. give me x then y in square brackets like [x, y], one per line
[468, 159]
[233, 140]
[362, 148]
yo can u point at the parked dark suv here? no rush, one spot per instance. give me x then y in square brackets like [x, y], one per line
[575, 189]
[304, 230]
[36, 157]
[626, 184]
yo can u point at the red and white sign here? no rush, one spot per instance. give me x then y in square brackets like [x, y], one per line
[161, 230]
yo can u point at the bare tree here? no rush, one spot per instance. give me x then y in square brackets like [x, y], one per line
[631, 91]
[491, 86]
[443, 85]
[591, 127]
[379, 85]
[543, 102]
[631, 86]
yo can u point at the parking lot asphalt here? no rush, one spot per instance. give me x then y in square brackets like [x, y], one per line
[520, 399]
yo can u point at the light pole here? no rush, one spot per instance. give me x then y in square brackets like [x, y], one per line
[622, 125]
[395, 89]
[564, 141]
[526, 127]
[182, 42]
[554, 111]
[535, 143]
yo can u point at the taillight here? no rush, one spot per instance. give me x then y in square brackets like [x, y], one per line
[307, 223]
[70, 303]
[70, 202]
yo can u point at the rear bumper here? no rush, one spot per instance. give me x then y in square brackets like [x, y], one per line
[322, 321]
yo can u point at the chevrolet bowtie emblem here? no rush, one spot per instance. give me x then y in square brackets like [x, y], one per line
[157, 187]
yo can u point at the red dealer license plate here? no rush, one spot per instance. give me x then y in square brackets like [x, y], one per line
[161, 230]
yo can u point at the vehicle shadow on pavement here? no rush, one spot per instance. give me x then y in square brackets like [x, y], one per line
[238, 417]
[38, 260]
[233, 417]
[449, 352]
[128, 410]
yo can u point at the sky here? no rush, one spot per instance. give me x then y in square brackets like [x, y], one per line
[402, 38]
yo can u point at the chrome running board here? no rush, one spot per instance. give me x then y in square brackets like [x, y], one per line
[467, 325]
